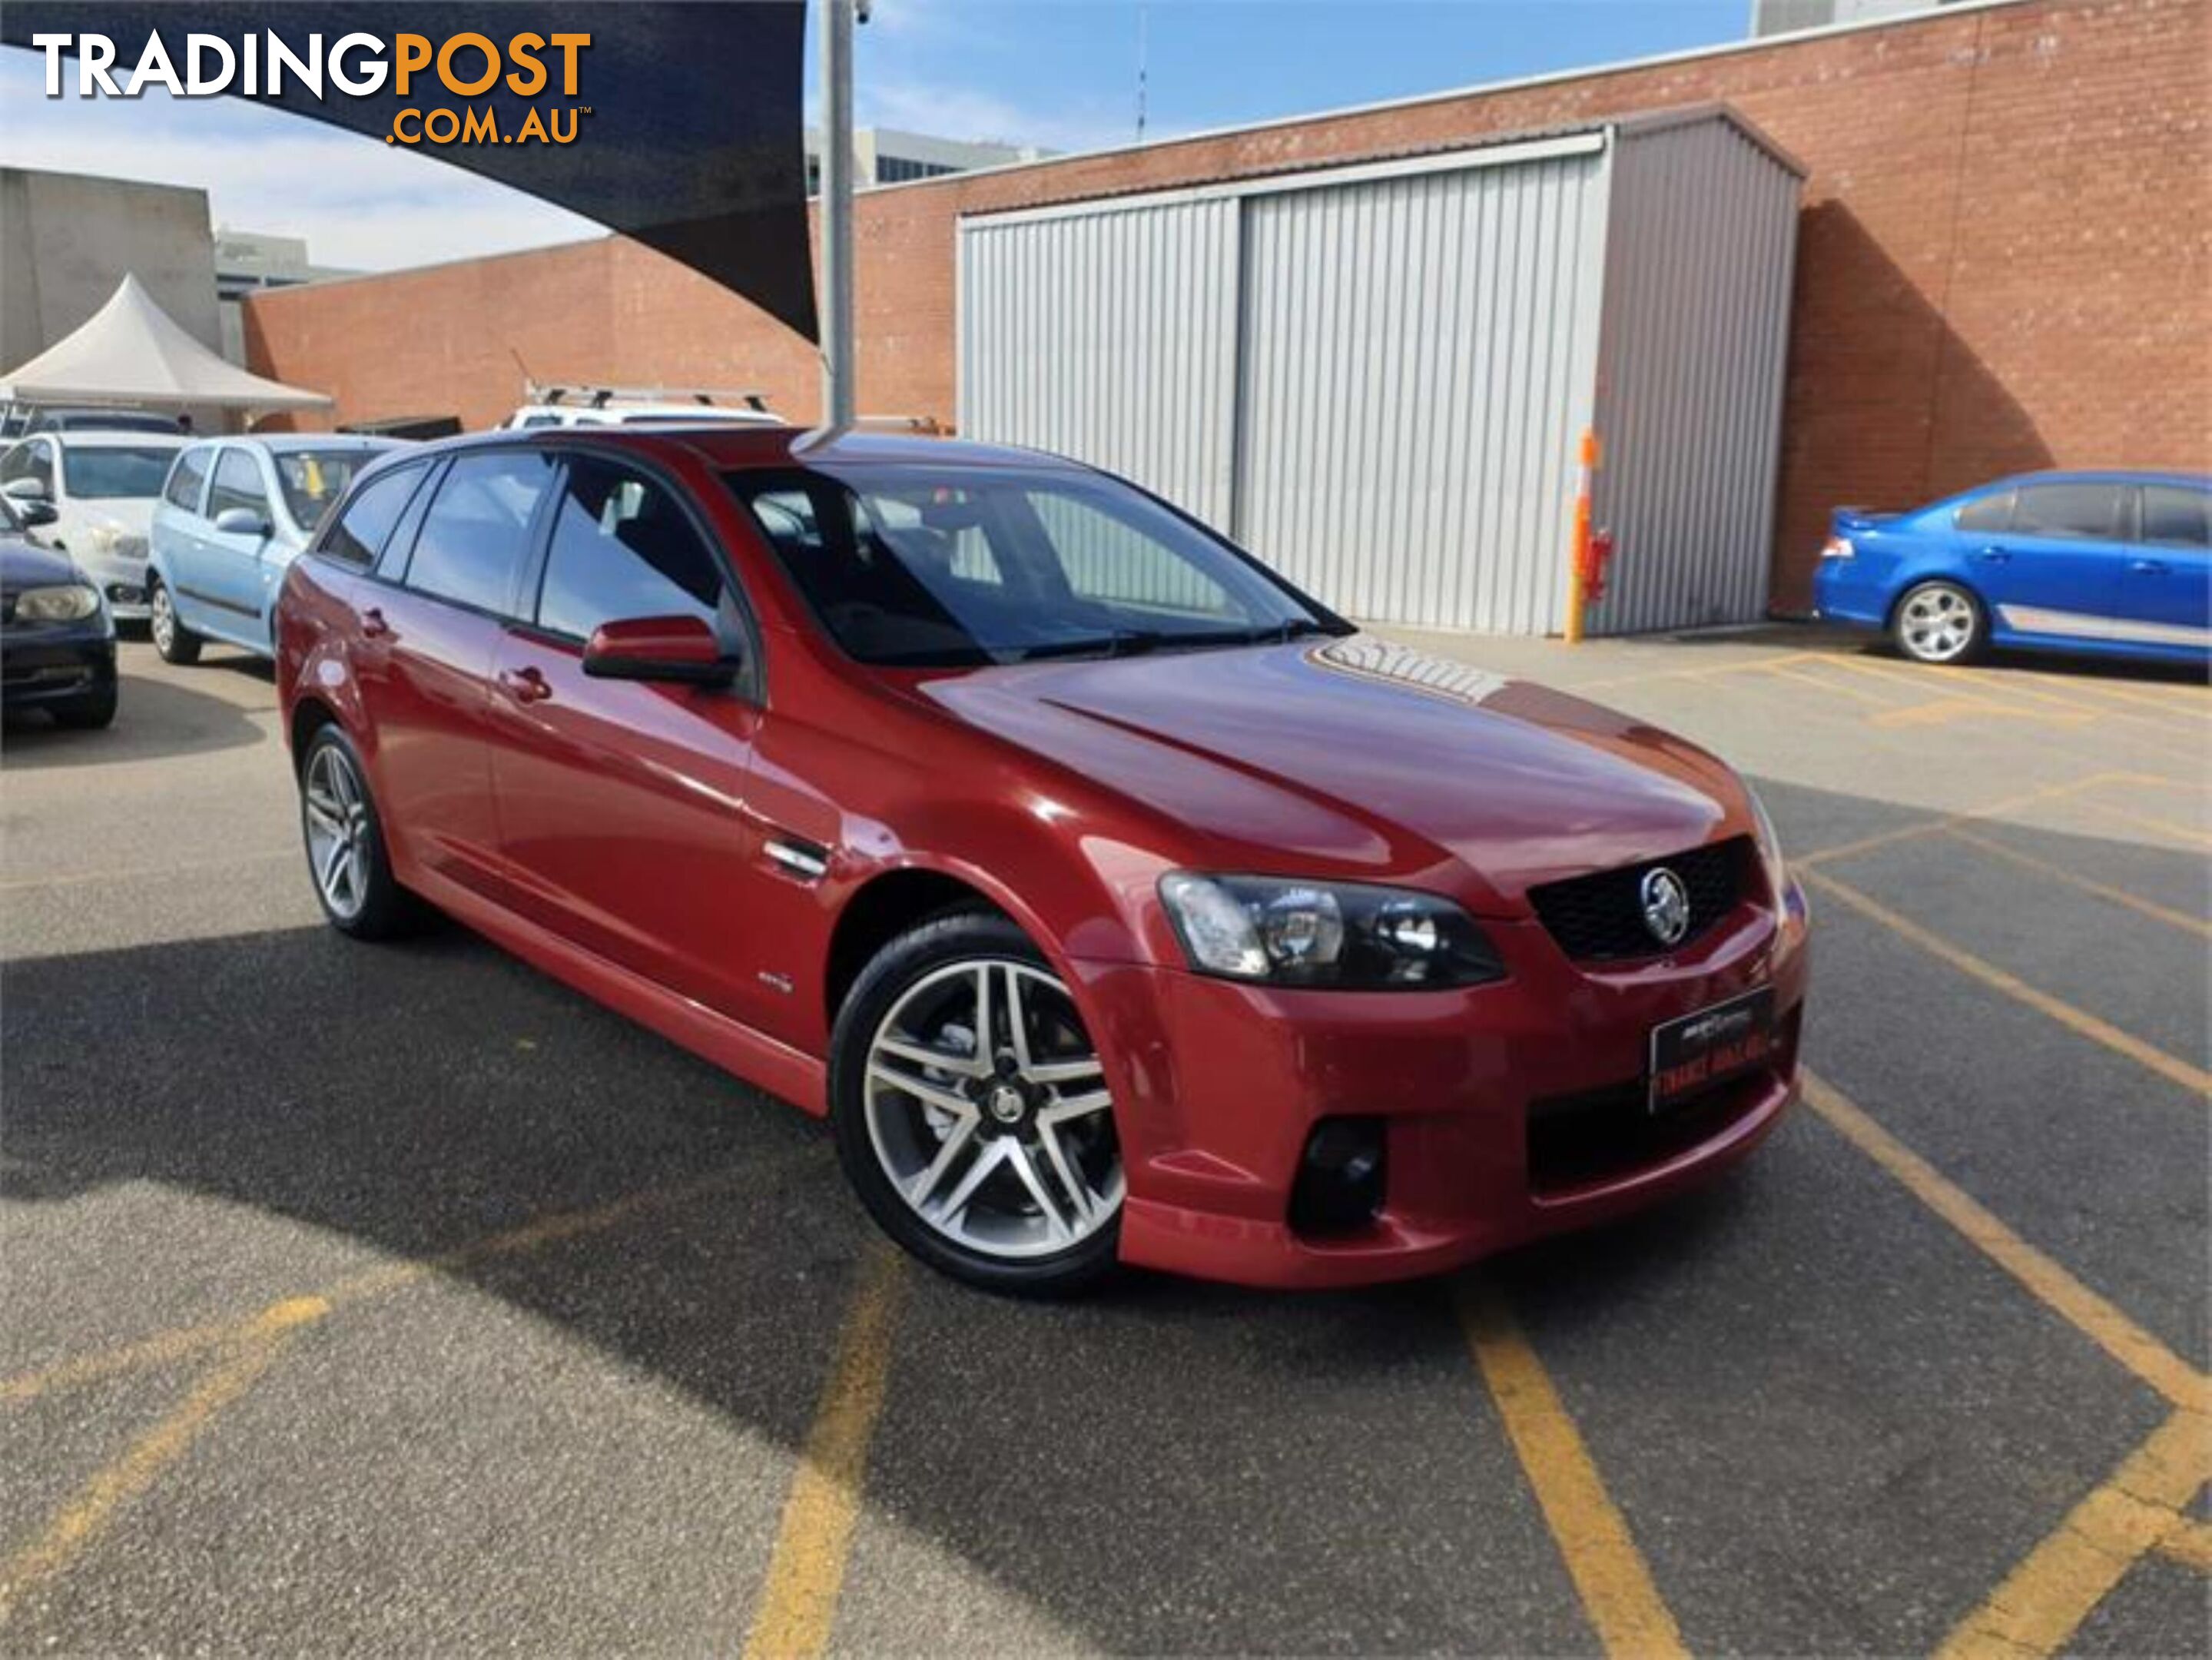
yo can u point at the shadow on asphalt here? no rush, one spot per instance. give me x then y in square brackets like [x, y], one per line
[154, 719]
[417, 1096]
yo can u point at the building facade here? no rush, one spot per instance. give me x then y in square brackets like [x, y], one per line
[2004, 257]
[884, 155]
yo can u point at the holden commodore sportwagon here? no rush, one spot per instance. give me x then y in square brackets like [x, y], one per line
[1115, 901]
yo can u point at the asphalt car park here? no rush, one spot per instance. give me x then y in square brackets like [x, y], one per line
[365, 1300]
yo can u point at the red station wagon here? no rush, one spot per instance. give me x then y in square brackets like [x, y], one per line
[1114, 901]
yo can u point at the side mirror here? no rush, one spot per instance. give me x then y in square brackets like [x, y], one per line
[679, 648]
[37, 512]
[20, 490]
[242, 521]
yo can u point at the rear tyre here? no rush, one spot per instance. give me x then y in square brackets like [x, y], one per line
[1940, 622]
[176, 643]
[346, 856]
[971, 1110]
[90, 711]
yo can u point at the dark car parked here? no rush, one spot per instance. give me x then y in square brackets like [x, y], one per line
[56, 639]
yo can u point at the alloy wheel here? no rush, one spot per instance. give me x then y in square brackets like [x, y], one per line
[338, 831]
[162, 622]
[1938, 623]
[989, 1111]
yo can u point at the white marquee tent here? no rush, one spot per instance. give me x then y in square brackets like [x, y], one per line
[132, 351]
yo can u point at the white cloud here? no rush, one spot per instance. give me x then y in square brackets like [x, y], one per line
[949, 109]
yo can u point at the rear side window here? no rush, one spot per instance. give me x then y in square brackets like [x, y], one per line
[623, 547]
[238, 484]
[2090, 511]
[2177, 517]
[1987, 513]
[475, 537]
[186, 479]
[362, 529]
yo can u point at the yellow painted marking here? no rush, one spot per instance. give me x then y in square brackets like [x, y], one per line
[2091, 1314]
[2149, 821]
[1936, 826]
[2147, 1055]
[1701, 672]
[2190, 1544]
[2189, 703]
[1944, 709]
[163, 1349]
[2103, 891]
[1997, 682]
[1609, 1573]
[2201, 786]
[1823, 683]
[118, 1483]
[2044, 1601]
[799, 1598]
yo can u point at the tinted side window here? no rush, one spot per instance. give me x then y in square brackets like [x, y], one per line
[2176, 517]
[186, 479]
[358, 536]
[1990, 513]
[30, 460]
[477, 531]
[2084, 510]
[623, 547]
[238, 484]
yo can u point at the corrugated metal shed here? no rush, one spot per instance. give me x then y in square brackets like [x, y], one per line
[1375, 376]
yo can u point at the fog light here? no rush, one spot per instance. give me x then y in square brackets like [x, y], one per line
[122, 593]
[1340, 1177]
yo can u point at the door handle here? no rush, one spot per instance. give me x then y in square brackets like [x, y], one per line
[2148, 567]
[525, 685]
[1992, 555]
[372, 624]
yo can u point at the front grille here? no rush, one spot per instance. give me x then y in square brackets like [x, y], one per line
[1600, 918]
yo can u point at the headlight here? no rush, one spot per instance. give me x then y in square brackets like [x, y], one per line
[72, 603]
[112, 541]
[1343, 935]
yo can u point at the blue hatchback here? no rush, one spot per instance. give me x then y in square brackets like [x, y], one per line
[2114, 562]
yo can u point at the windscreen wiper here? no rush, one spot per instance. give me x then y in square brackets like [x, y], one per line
[1123, 643]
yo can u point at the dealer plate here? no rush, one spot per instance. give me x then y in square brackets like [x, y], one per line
[1692, 1054]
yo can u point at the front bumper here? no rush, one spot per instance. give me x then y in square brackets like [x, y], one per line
[121, 580]
[56, 663]
[1217, 1085]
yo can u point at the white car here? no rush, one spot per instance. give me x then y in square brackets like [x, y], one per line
[533, 415]
[101, 486]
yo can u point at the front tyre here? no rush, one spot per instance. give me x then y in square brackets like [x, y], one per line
[176, 643]
[1940, 622]
[971, 1110]
[346, 855]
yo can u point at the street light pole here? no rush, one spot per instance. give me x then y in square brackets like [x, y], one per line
[837, 211]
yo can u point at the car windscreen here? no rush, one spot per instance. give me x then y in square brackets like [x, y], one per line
[313, 479]
[112, 472]
[947, 566]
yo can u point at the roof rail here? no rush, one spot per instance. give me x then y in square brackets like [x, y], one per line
[574, 395]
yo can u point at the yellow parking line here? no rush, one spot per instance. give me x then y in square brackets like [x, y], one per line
[128, 1477]
[2188, 703]
[2149, 821]
[799, 1597]
[2102, 891]
[2190, 1544]
[1950, 820]
[1699, 672]
[165, 1347]
[1609, 1573]
[2044, 1601]
[1820, 682]
[2091, 1314]
[1930, 684]
[2148, 1056]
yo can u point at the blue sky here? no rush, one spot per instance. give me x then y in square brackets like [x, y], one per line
[1060, 73]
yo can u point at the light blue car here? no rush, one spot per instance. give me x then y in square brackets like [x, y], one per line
[232, 516]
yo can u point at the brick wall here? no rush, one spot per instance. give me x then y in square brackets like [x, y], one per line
[2005, 260]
